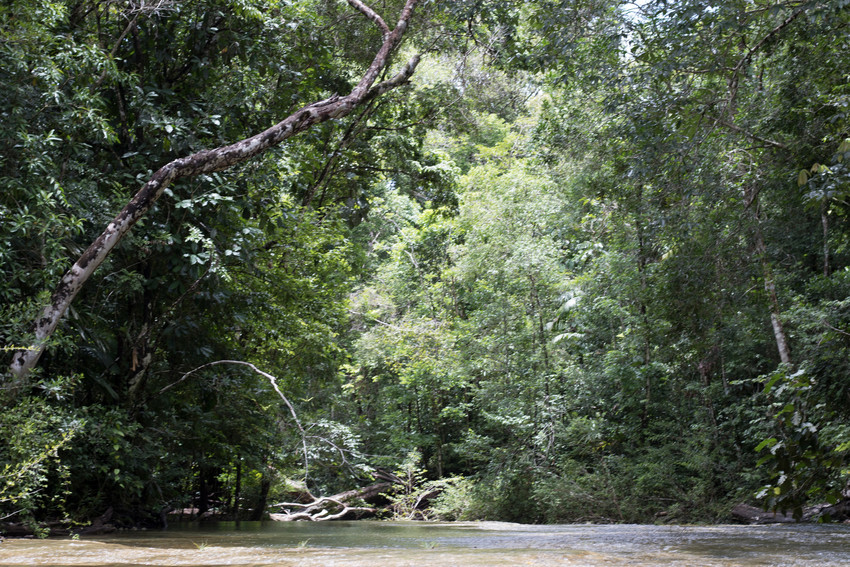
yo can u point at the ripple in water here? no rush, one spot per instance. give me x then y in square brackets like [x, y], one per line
[387, 544]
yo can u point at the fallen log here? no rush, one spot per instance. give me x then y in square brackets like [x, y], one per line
[752, 515]
[337, 507]
[98, 526]
[838, 512]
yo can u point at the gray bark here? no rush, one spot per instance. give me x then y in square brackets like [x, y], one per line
[208, 161]
[824, 219]
[334, 507]
[751, 192]
[770, 287]
[751, 515]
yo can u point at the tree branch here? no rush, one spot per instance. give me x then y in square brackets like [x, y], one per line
[372, 15]
[272, 380]
[750, 52]
[823, 322]
[114, 50]
[745, 59]
[748, 134]
[348, 136]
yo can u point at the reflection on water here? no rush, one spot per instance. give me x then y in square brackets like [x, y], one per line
[379, 544]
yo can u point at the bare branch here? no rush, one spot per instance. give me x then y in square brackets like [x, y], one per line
[156, 7]
[272, 380]
[393, 327]
[748, 134]
[114, 49]
[399, 79]
[747, 56]
[372, 15]
[379, 63]
[834, 328]
[319, 509]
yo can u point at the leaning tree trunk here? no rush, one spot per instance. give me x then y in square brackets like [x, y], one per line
[208, 161]
[769, 281]
[751, 192]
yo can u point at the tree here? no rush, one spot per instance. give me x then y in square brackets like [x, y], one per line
[210, 161]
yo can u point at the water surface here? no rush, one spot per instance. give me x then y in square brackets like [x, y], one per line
[387, 544]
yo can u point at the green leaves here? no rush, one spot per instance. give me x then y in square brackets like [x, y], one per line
[227, 266]
[772, 443]
[556, 282]
[31, 468]
[800, 463]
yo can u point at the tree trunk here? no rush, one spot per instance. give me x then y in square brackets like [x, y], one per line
[260, 506]
[751, 193]
[208, 161]
[203, 502]
[770, 287]
[824, 219]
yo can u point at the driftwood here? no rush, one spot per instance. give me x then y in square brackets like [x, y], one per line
[838, 512]
[752, 515]
[99, 525]
[342, 506]
[423, 501]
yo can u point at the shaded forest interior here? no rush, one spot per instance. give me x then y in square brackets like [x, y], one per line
[549, 260]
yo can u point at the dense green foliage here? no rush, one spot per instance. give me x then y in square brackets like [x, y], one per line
[593, 264]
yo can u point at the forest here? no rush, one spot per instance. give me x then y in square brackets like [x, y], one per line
[538, 261]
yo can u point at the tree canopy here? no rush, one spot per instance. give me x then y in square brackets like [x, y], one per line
[562, 260]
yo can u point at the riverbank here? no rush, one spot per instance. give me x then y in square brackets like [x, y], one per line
[742, 514]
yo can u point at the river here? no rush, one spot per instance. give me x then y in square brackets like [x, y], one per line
[388, 544]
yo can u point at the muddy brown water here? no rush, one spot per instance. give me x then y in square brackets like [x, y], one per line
[388, 544]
